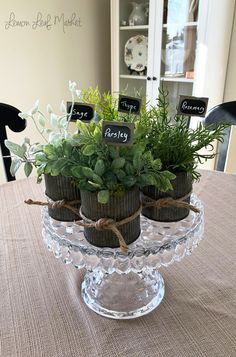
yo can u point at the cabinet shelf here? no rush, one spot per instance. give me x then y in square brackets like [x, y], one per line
[186, 24]
[130, 76]
[140, 27]
[177, 79]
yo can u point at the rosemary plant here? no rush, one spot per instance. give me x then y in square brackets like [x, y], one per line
[174, 143]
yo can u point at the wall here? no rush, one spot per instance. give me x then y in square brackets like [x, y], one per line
[230, 95]
[37, 63]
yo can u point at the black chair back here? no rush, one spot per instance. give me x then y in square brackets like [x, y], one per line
[222, 112]
[9, 117]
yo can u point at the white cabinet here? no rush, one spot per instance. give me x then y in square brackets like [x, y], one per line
[188, 45]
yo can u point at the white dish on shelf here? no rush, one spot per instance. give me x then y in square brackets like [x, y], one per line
[135, 53]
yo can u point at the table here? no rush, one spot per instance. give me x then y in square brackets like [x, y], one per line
[41, 309]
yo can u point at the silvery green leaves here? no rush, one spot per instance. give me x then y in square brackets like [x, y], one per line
[15, 165]
[54, 130]
[15, 149]
[22, 155]
[28, 167]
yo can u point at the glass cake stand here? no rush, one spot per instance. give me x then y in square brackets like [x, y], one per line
[125, 285]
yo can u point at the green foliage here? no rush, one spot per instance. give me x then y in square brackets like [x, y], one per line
[53, 129]
[112, 170]
[106, 105]
[176, 145]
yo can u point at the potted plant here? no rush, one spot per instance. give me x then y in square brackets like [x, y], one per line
[109, 178]
[178, 148]
[56, 138]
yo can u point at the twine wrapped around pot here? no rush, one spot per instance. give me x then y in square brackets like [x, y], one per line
[170, 210]
[103, 224]
[58, 188]
[168, 202]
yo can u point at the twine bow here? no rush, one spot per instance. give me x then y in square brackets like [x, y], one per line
[109, 224]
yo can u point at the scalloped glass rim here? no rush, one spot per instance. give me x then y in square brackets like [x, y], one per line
[155, 237]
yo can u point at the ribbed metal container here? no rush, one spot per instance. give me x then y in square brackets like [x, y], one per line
[182, 185]
[117, 208]
[62, 188]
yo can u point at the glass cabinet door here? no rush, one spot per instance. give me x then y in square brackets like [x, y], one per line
[155, 41]
[179, 41]
[133, 47]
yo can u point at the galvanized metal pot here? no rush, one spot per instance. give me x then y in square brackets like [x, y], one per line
[182, 185]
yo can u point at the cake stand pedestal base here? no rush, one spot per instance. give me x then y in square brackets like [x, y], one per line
[123, 296]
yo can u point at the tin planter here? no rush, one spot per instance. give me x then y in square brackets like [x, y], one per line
[62, 188]
[118, 208]
[182, 185]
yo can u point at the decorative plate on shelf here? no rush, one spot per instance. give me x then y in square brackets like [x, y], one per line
[135, 54]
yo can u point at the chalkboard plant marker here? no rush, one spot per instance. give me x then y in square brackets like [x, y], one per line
[130, 105]
[178, 148]
[117, 133]
[81, 111]
[192, 106]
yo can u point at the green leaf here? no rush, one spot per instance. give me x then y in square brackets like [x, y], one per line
[47, 169]
[97, 133]
[148, 179]
[129, 181]
[82, 126]
[95, 185]
[77, 171]
[15, 164]
[15, 149]
[41, 169]
[63, 107]
[129, 168]
[120, 174]
[49, 150]
[54, 120]
[165, 184]
[97, 179]
[63, 122]
[157, 164]
[89, 150]
[118, 163]
[137, 161]
[88, 172]
[59, 164]
[41, 120]
[99, 167]
[113, 152]
[103, 196]
[169, 175]
[28, 167]
[40, 157]
[67, 148]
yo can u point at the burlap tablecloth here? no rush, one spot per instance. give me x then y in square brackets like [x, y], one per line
[42, 312]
